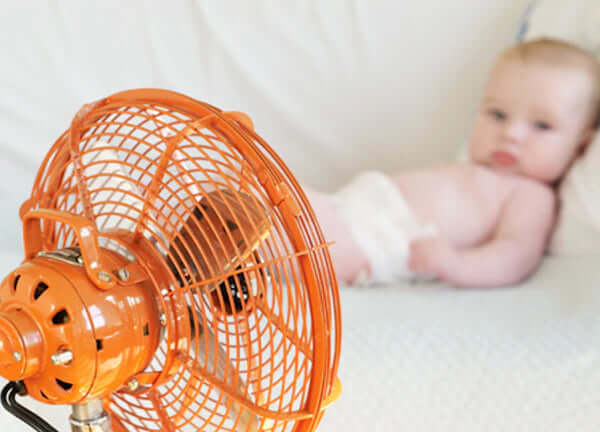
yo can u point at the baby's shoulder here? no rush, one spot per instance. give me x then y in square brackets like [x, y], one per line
[538, 192]
[507, 185]
[481, 176]
[525, 194]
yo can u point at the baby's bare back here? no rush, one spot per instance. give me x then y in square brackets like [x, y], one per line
[463, 201]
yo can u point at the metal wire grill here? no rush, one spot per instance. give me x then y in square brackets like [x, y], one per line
[246, 256]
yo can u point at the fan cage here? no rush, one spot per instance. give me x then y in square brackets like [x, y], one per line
[142, 161]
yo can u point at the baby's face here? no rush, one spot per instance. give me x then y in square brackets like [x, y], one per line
[534, 119]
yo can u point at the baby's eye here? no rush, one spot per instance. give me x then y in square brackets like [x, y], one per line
[496, 114]
[542, 125]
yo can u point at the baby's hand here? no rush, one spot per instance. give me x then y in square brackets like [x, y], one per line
[431, 257]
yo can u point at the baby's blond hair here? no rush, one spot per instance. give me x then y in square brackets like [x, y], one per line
[556, 52]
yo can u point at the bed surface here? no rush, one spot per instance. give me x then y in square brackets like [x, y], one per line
[432, 358]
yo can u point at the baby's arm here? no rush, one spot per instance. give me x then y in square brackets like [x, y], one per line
[513, 253]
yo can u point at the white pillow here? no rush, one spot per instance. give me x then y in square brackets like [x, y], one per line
[578, 225]
[577, 22]
[578, 229]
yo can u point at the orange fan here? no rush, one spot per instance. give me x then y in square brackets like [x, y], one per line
[175, 278]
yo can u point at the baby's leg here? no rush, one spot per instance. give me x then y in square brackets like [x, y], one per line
[348, 258]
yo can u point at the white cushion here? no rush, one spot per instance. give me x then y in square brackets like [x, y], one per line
[578, 229]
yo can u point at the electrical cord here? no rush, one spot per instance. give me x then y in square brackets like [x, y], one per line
[10, 404]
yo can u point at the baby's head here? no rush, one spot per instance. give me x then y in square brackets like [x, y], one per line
[540, 109]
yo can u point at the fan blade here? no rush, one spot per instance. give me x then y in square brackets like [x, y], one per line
[226, 227]
[118, 202]
[113, 195]
[210, 350]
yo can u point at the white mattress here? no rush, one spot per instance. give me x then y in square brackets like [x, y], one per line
[430, 358]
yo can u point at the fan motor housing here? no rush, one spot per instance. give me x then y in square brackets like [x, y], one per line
[68, 340]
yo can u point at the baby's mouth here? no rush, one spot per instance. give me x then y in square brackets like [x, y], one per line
[503, 159]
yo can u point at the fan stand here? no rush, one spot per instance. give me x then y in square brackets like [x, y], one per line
[90, 417]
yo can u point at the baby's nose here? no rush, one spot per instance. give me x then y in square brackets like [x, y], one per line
[514, 131]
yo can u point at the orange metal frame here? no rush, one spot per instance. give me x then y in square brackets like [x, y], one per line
[224, 272]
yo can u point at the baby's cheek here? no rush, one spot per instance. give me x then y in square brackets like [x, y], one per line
[549, 169]
[477, 148]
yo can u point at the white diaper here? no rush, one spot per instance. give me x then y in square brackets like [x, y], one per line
[382, 225]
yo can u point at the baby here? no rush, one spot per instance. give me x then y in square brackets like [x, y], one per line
[485, 222]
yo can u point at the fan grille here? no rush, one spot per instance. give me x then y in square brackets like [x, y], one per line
[144, 161]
